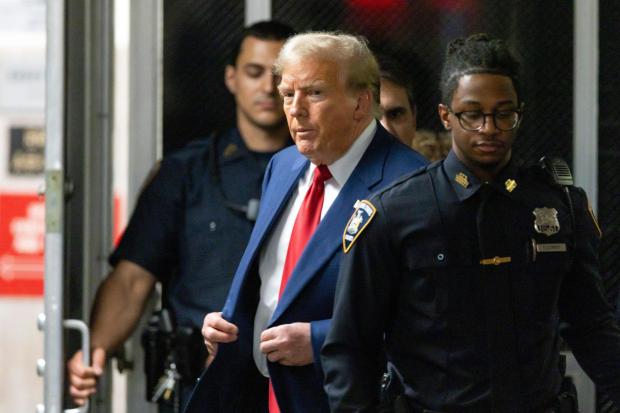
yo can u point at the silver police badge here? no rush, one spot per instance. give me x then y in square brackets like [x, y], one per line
[546, 221]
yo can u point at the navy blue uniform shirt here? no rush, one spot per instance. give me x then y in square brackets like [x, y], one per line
[449, 268]
[182, 231]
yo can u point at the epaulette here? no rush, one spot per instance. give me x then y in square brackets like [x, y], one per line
[420, 171]
[558, 174]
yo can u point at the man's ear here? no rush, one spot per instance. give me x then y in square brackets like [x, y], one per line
[364, 105]
[444, 116]
[230, 76]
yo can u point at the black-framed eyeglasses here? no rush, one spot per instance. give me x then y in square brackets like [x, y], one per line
[474, 120]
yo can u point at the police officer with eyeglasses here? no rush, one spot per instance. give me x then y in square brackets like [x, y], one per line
[466, 275]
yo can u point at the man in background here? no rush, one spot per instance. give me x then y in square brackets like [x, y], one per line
[190, 227]
[397, 100]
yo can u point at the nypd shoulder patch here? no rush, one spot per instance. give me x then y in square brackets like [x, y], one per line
[364, 212]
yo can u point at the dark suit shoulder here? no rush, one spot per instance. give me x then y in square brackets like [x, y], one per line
[404, 153]
[287, 153]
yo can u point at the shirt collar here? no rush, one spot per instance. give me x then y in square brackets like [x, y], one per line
[465, 184]
[343, 168]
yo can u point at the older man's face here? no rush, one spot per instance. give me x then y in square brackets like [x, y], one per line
[324, 116]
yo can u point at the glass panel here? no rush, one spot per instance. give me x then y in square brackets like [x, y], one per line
[22, 210]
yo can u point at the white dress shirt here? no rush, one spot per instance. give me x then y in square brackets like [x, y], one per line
[273, 255]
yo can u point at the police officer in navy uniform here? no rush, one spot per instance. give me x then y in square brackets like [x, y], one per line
[193, 219]
[466, 275]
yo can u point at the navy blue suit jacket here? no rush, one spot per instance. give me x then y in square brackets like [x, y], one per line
[309, 293]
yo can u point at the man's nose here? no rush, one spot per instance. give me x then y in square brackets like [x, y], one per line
[269, 83]
[488, 124]
[297, 107]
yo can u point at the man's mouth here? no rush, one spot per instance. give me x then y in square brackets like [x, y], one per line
[488, 146]
[267, 104]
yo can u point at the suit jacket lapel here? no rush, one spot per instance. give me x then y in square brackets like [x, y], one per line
[327, 239]
[273, 202]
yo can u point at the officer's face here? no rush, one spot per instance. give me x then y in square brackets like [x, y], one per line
[487, 150]
[398, 115]
[324, 116]
[252, 82]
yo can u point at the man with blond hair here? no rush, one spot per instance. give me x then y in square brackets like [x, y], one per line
[264, 345]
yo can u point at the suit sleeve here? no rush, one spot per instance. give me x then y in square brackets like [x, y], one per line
[590, 328]
[352, 356]
[318, 332]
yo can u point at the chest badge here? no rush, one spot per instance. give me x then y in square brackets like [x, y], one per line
[546, 221]
[462, 180]
[510, 184]
[364, 212]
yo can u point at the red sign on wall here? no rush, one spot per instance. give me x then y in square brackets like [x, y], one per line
[22, 241]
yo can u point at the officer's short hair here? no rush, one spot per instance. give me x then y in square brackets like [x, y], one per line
[476, 54]
[349, 51]
[263, 30]
[393, 71]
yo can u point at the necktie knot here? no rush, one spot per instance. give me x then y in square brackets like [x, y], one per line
[321, 174]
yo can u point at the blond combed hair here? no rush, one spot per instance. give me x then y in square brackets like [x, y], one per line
[350, 52]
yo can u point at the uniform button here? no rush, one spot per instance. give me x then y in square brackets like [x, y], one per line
[212, 226]
[441, 257]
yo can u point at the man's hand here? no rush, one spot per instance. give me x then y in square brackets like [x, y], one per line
[83, 379]
[217, 330]
[288, 344]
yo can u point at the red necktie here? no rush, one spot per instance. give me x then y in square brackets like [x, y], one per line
[306, 222]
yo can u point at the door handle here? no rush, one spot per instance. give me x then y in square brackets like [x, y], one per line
[80, 326]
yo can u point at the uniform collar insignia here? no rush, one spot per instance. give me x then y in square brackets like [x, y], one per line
[462, 180]
[546, 221]
[364, 212]
[230, 150]
[510, 185]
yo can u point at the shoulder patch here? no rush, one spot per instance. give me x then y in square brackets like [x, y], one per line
[364, 212]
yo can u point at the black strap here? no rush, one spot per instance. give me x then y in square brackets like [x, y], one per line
[249, 210]
[496, 284]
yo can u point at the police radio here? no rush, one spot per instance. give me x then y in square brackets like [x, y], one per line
[250, 210]
[557, 170]
[558, 173]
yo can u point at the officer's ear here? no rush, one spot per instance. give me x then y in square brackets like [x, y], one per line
[444, 116]
[230, 78]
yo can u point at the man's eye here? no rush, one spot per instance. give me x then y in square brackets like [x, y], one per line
[505, 114]
[254, 72]
[315, 92]
[394, 113]
[286, 95]
[471, 116]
